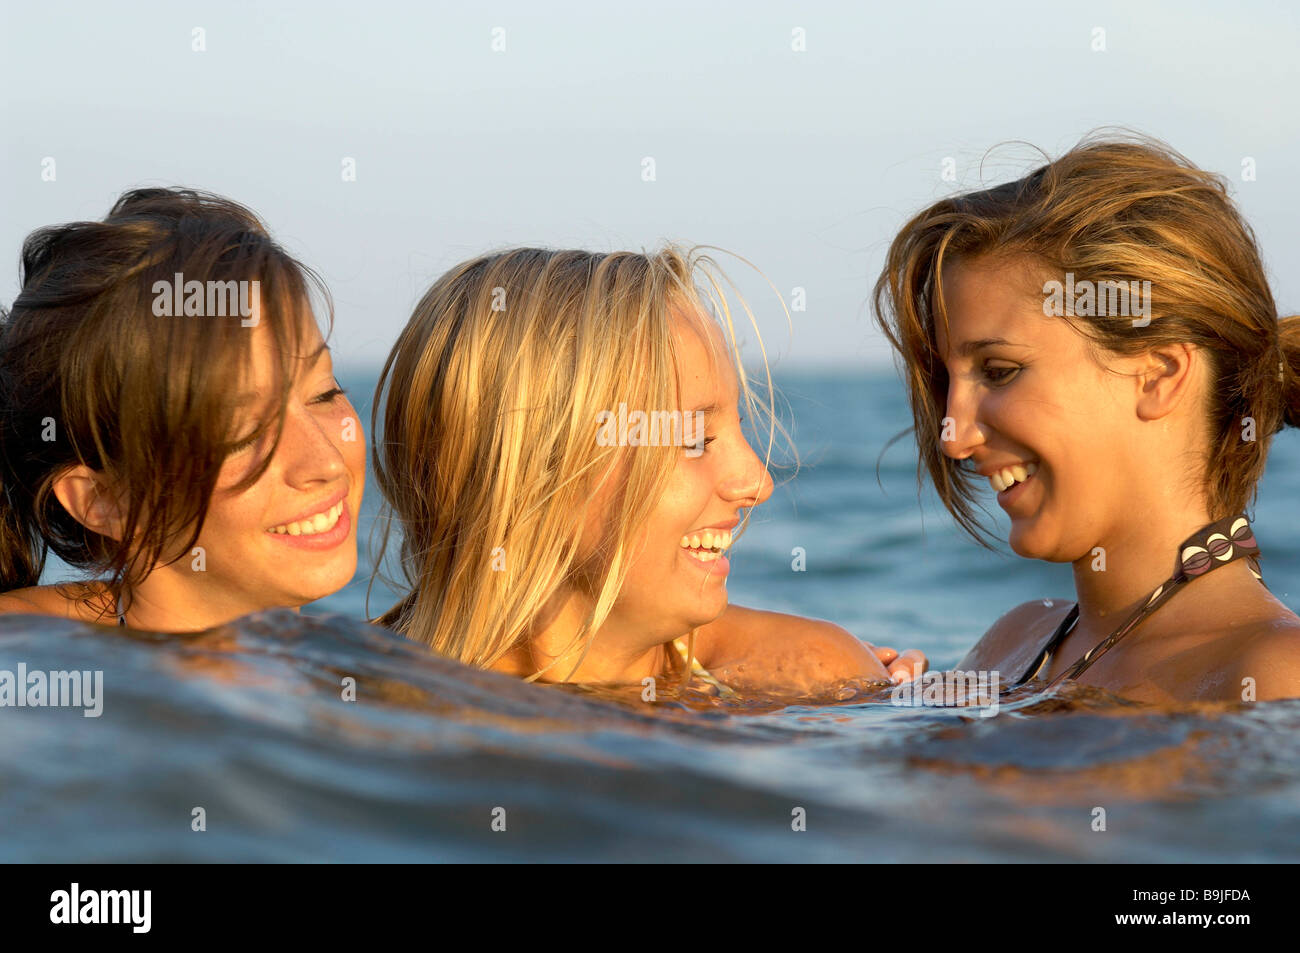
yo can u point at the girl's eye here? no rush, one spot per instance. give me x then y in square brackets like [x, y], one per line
[329, 395]
[334, 393]
[702, 446]
[999, 375]
[244, 444]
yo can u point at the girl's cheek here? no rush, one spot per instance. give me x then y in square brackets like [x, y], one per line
[349, 428]
[353, 439]
[234, 470]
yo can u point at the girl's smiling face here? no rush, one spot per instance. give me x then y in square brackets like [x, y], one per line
[290, 538]
[674, 587]
[1026, 390]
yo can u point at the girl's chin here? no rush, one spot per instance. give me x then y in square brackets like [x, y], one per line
[1024, 543]
[313, 590]
[1030, 547]
[706, 612]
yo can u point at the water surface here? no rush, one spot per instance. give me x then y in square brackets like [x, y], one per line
[248, 721]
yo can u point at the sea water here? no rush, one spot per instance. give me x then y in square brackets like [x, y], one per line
[317, 737]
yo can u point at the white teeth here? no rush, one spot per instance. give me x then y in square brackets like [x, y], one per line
[711, 539]
[1008, 477]
[320, 523]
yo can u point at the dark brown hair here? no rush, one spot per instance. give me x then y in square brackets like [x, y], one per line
[91, 374]
[1114, 208]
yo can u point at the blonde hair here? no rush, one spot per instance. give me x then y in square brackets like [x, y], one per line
[1114, 208]
[488, 457]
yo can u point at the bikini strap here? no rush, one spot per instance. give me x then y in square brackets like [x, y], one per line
[694, 668]
[1065, 627]
[1221, 542]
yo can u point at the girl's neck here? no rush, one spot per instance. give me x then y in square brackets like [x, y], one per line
[1135, 557]
[162, 603]
[618, 653]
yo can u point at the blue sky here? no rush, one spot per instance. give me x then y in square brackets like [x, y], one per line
[805, 162]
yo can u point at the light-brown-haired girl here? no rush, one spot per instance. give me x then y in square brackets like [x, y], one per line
[1098, 343]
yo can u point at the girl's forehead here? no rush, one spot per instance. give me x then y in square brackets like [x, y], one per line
[696, 330]
[990, 301]
[704, 367]
[263, 359]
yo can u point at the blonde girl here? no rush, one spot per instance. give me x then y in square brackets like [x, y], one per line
[543, 534]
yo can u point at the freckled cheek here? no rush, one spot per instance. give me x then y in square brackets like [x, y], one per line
[354, 454]
[230, 535]
[350, 441]
[684, 506]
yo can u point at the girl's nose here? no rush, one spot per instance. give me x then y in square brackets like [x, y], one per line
[308, 453]
[959, 431]
[750, 484]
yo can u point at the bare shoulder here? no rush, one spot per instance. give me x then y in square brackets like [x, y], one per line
[69, 601]
[1269, 655]
[761, 647]
[32, 600]
[739, 628]
[1017, 636]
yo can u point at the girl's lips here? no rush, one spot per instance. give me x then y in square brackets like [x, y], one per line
[713, 567]
[340, 497]
[329, 539]
[1013, 493]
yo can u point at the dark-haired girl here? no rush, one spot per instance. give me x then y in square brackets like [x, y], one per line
[170, 423]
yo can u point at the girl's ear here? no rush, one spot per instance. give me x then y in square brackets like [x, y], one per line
[83, 492]
[1165, 379]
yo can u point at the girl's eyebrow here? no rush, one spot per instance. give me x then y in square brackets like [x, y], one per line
[970, 347]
